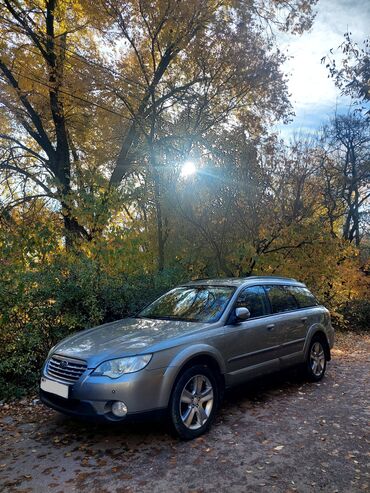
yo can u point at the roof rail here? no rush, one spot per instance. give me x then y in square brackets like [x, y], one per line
[275, 277]
[236, 278]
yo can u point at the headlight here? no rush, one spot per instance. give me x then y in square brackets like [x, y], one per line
[114, 368]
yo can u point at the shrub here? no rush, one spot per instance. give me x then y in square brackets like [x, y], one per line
[354, 315]
[40, 306]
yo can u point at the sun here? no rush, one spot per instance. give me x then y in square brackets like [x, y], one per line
[188, 169]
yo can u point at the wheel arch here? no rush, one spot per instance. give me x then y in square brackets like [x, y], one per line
[319, 332]
[200, 354]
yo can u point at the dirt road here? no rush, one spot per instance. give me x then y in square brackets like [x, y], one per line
[280, 435]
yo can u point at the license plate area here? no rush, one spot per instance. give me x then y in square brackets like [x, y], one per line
[53, 387]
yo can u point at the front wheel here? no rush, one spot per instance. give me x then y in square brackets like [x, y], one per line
[316, 360]
[194, 402]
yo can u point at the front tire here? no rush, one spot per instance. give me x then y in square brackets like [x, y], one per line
[194, 402]
[316, 360]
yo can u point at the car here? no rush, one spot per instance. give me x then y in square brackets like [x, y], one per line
[183, 350]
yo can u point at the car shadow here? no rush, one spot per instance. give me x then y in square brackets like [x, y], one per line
[149, 426]
[264, 388]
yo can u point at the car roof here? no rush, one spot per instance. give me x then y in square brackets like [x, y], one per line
[241, 281]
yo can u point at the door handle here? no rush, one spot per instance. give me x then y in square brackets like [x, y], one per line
[270, 327]
[304, 319]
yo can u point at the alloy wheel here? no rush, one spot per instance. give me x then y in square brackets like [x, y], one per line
[317, 359]
[196, 402]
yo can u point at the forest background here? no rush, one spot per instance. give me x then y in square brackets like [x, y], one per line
[137, 151]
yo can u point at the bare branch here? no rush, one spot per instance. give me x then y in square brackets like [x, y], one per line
[4, 165]
[40, 136]
[23, 146]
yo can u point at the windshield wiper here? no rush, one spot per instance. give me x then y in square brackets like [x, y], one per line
[175, 319]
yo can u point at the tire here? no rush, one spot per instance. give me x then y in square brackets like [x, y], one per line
[316, 359]
[191, 414]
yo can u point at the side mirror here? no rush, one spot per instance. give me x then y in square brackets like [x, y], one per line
[242, 314]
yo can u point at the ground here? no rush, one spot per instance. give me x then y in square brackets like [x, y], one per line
[281, 434]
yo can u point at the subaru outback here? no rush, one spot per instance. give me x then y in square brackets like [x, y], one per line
[183, 350]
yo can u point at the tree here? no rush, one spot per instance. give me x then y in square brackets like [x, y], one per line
[235, 218]
[352, 74]
[38, 139]
[346, 167]
[201, 66]
[79, 122]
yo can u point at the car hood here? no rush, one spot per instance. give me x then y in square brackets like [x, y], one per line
[123, 338]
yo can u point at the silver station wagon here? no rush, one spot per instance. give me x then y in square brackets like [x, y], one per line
[183, 350]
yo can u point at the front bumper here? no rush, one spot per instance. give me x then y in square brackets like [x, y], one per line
[93, 396]
[94, 411]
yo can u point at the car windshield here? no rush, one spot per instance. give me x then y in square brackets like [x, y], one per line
[190, 303]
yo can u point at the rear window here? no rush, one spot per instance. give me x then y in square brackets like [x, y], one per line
[303, 296]
[281, 300]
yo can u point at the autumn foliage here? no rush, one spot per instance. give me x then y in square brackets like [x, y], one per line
[101, 104]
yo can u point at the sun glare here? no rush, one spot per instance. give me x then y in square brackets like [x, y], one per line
[188, 169]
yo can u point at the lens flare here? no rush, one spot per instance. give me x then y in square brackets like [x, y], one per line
[188, 169]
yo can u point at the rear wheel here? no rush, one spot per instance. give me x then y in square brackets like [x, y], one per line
[316, 360]
[194, 402]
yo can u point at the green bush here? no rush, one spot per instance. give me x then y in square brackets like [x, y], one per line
[47, 293]
[40, 306]
[353, 315]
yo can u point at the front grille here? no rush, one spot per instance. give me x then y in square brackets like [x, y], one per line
[65, 369]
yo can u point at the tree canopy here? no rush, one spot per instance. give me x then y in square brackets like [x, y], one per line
[93, 94]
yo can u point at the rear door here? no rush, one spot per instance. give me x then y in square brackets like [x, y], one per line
[306, 315]
[290, 322]
[251, 347]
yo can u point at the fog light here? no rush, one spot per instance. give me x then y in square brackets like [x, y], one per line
[119, 409]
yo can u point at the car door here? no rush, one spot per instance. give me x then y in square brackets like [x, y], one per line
[250, 346]
[305, 316]
[289, 322]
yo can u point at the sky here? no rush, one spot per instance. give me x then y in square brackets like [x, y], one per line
[314, 96]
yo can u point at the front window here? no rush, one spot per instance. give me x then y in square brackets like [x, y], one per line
[254, 299]
[191, 304]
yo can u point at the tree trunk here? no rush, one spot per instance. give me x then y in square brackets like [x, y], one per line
[161, 240]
